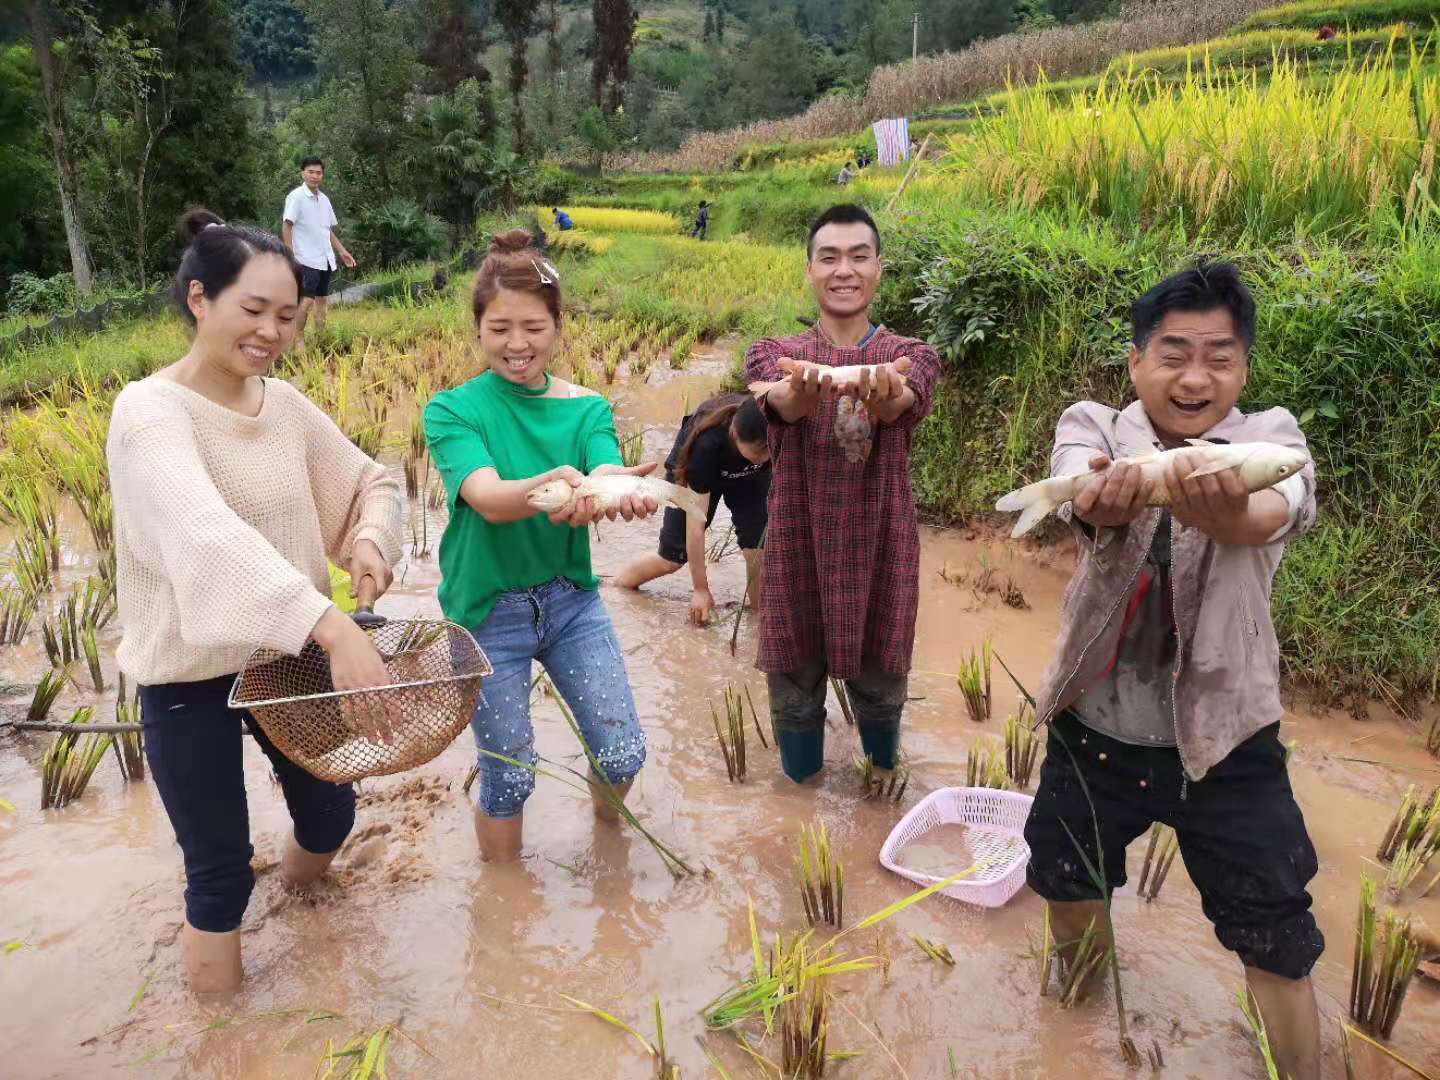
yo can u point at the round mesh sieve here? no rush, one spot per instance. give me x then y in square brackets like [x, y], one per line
[435, 669]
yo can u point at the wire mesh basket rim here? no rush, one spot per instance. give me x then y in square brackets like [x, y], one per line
[298, 698]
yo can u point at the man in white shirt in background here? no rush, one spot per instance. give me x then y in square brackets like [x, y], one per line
[309, 232]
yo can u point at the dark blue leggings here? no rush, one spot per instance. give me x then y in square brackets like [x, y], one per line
[193, 744]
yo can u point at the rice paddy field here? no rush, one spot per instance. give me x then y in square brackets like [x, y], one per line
[758, 935]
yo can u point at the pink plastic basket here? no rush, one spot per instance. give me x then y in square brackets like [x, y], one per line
[997, 825]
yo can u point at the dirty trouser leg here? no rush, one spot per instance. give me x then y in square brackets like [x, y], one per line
[876, 699]
[797, 716]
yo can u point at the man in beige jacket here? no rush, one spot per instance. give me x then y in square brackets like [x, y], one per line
[1163, 696]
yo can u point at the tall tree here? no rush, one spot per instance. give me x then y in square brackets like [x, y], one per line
[554, 62]
[453, 47]
[614, 38]
[50, 57]
[364, 47]
[517, 18]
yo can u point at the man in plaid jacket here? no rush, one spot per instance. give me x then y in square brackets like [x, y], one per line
[839, 586]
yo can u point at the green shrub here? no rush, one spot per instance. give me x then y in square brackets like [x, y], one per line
[33, 295]
[399, 231]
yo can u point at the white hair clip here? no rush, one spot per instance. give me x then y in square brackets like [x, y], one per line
[213, 225]
[547, 272]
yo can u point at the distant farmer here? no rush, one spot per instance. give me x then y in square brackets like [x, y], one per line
[702, 221]
[845, 173]
[310, 233]
[1327, 33]
[839, 583]
[562, 220]
[1164, 689]
[722, 450]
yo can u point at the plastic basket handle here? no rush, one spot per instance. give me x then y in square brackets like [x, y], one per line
[365, 595]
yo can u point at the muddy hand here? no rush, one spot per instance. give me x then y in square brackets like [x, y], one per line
[1115, 496]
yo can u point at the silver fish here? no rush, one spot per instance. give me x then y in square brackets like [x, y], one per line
[1260, 464]
[608, 489]
[854, 428]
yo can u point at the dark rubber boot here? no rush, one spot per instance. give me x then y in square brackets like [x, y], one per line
[801, 753]
[882, 744]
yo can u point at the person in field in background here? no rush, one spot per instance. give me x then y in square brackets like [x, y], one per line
[843, 177]
[520, 580]
[231, 489]
[702, 221]
[1164, 689]
[309, 232]
[839, 584]
[562, 219]
[722, 450]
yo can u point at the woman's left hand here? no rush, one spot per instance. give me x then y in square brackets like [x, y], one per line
[366, 560]
[632, 506]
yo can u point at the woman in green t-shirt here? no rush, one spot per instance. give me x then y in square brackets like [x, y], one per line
[518, 578]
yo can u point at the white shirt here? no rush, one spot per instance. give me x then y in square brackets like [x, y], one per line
[312, 217]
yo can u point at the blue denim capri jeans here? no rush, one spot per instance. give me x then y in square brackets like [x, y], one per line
[568, 630]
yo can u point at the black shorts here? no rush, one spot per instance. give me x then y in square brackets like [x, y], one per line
[1241, 835]
[748, 510]
[314, 282]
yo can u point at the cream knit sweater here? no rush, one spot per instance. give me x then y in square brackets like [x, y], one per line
[223, 523]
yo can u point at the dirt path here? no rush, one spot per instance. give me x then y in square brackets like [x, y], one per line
[413, 930]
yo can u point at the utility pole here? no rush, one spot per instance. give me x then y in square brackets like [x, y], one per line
[914, 37]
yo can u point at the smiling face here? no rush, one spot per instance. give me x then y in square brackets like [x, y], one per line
[844, 269]
[246, 327]
[519, 337]
[1190, 373]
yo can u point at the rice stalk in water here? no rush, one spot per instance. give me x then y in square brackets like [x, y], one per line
[973, 678]
[842, 695]
[1386, 955]
[985, 767]
[46, 691]
[1163, 843]
[17, 611]
[821, 877]
[1251, 1008]
[732, 739]
[891, 787]
[129, 751]
[1021, 748]
[70, 762]
[1079, 969]
[934, 950]
[1412, 839]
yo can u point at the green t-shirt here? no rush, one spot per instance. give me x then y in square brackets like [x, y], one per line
[488, 422]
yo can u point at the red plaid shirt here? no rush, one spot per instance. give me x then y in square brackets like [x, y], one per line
[841, 573]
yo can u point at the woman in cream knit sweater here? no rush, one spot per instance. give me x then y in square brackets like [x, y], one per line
[231, 490]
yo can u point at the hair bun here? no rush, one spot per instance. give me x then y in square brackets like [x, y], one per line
[511, 242]
[195, 220]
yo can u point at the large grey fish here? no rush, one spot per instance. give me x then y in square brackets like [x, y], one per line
[853, 428]
[609, 488]
[1260, 465]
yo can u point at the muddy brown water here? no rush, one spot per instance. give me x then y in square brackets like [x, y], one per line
[411, 929]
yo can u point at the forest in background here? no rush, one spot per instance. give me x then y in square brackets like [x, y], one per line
[115, 115]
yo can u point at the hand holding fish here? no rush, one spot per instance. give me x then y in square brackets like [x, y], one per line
[1220, 505]
[575, 500]
[1112, 497]
[882, 389]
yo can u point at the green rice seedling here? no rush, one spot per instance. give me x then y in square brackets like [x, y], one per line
[890, 787]
[92, 657]
[985, 766]
[1251, 1008]
[129, 751]
[632, 446]
[31, 567]
[821, 877]
[732, 736]
[1082, 965]
[973, 679]
[1047, 953]
[362, 1057]
[665, 1069]
[70, 762]
[842, 695]
[1412, 839]
[1387, 953]
[934, 950]
[1155, 870]
[805, 1029]
[722, 546]
[46, 691]
[17, 611]
[1021, 748]
[1347, 1033]
[31, 507]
